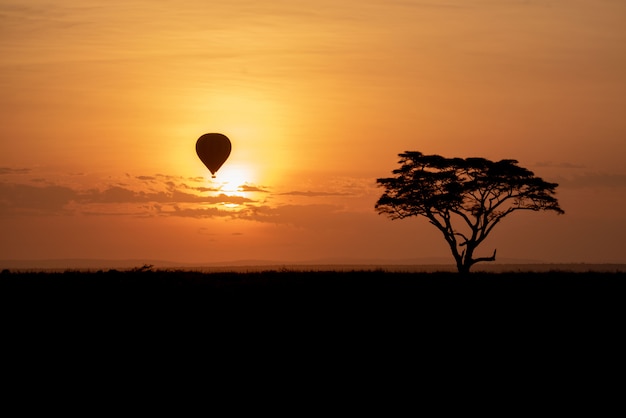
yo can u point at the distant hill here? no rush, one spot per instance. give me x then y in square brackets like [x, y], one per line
[335, 263]
[84, 264]
[95, 264]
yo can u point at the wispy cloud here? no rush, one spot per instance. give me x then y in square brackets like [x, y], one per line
[309, 217]
[26, 199]
[249, 188]
[204, 189]
[551, 164]
[313, 194]
[152, 195]
[210, 212]
[594, 180]
[161, 195]
[9, 170]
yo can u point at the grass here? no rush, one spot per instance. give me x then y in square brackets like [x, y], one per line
[514, 318]
[284, 285]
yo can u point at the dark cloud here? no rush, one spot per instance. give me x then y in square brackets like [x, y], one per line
[594, 180]
[314, 194]
[54, 199]
[302, 216]
[9, 170]
[211, 212]
[103, 213]
[116, 201]
[114, 194]
[248, 188]
[169, 177]
[24, 199]
[165, 197]
[176, 182]
[203, 189]
[117, 194]
[550, 164]
[221, 198]
[296, 215]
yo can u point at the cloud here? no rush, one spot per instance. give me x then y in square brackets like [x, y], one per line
[314, 194]
[9, 170]
[169, 177]
[248, 188]
[203, 189]
[337, 186]
[317, 215]
[116, 194]
[550, 164]
[594, 180]
[169, 196]
[25, 199]
[210, 212]
[46, 198]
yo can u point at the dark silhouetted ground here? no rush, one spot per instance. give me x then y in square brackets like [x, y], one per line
[365, 291]
[508, 337]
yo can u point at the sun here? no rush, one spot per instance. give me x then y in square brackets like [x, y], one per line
[229, 178]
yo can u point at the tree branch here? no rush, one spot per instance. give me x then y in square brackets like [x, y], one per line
[492, 258]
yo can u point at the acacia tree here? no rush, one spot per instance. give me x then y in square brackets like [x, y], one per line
[473, 193]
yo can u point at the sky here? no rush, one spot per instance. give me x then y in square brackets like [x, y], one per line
[102, 103]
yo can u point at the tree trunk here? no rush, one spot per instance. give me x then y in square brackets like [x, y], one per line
[466, 260]
[463, 268]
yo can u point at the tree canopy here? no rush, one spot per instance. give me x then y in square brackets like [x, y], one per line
[475, 193]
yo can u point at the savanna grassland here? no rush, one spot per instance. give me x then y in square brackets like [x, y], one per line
[363, 289]
[495, 326]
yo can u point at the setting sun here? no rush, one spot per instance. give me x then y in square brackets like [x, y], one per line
[231, 177]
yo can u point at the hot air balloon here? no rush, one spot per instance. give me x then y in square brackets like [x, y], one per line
[213, 150]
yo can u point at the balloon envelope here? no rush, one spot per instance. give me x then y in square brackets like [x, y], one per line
[213, 150]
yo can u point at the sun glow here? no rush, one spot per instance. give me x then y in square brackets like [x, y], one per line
[256, 121]
[230, 178]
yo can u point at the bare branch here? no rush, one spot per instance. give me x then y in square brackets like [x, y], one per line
[492, 258]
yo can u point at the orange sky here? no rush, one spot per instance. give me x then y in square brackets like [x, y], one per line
[103, 101]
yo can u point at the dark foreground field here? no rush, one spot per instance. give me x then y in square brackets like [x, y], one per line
[369, 328]
[297, 290]
[369, 303]
[285, 279]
